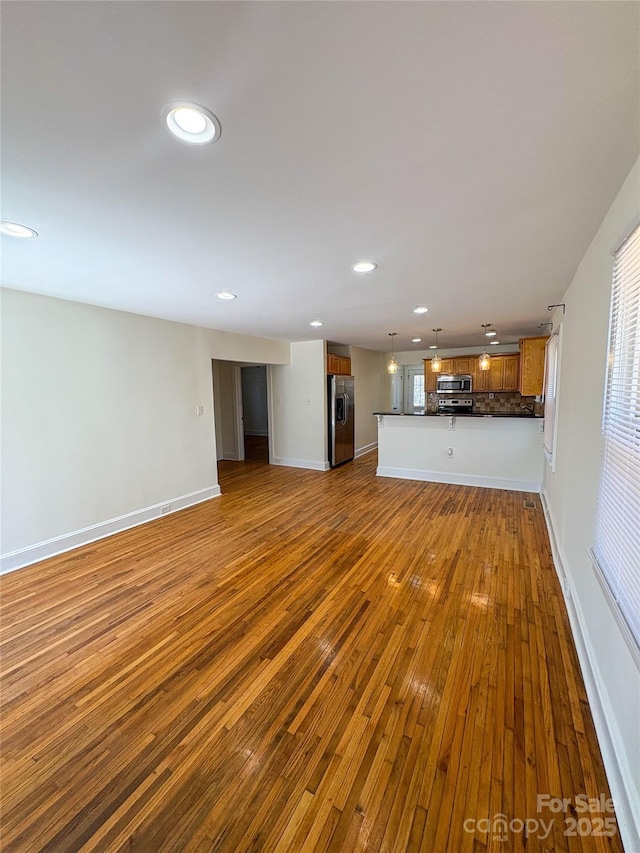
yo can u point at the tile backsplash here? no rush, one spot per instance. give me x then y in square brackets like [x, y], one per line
[504, 402]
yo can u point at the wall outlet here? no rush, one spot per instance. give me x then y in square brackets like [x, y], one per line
[452, 423]
[307, 401]
[199, 410]
[491, 395]
[449, 452]
[165, 509]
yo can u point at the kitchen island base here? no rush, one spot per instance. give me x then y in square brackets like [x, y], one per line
[496, 453]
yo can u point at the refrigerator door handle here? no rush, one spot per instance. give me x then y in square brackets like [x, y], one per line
[345, 397]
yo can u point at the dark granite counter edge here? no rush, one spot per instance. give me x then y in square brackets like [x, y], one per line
[461, 415]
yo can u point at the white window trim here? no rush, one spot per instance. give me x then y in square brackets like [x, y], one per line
[552, 454]
[618, 507]
[618, 615]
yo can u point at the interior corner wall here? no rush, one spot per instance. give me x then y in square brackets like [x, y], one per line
[571, 491]
[299, 408]
[368, 368]
[99, 419]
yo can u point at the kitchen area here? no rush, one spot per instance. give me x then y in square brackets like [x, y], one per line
[479, 421]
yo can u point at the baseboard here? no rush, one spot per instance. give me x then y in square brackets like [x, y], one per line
[361, 451]
[60, 544]
[459, 479]
[310, 464]
[618, 774]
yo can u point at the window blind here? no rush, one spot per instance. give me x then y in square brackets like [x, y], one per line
[550, 391]
[617, 534]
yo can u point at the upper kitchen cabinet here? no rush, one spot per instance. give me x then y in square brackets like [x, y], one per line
[333, 363]
[339, 365]
[429, 376]
[502, 374]
[449, 366]
[531, 378]
[464, 366]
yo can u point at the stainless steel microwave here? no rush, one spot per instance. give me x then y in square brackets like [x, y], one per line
[449, 384]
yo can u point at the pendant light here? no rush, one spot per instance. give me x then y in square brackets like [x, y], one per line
[436, 361]
[484, 362]
[392, 364]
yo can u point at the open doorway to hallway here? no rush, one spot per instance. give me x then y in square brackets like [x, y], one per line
[241, 411]
[255, 412]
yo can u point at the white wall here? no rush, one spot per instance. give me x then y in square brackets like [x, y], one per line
[299, 408]
[370, 373]
[233, 347]
[99, 424]
[411, 358]
[612, 676]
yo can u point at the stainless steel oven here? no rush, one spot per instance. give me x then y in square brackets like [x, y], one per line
[450, 384]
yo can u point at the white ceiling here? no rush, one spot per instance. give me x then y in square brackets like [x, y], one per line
[470, 149]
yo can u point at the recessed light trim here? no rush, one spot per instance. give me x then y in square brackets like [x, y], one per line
[364, 266]
[490, 334]
[493, 343]
[416, 340]
[420, 309]
[14, 229]
[226, 294]
[192, 123]
[316, 323]
[432, 346]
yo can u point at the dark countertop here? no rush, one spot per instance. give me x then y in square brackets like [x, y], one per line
[461, 415]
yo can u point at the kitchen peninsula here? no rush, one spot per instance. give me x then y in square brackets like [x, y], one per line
[500, 451]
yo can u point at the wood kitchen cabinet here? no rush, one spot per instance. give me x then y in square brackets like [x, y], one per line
[503, 375]
[333, 363]
[429, 376]
[338, 364]
[531, 374]
[464, 366]
[453, 366]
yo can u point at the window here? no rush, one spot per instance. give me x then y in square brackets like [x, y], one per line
[418, 390]
[617, 535]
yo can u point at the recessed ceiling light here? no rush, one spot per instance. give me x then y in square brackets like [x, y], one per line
[192, 123]
[420, 310]
[432, 346]
[13, 229]
[364, 266]
[493, 343]
[416, 340]
[226, 294]
[316, 323]
[490, 334]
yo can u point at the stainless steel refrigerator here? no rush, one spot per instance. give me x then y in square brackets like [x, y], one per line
[341, 419]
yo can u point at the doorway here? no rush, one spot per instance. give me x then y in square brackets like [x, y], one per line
[414, 393]
[255, 414]
[240, 411]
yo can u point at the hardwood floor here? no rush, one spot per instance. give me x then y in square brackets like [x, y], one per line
[314, 661]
